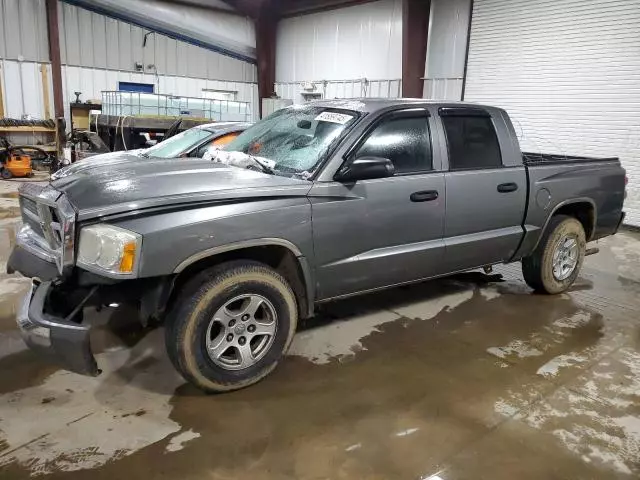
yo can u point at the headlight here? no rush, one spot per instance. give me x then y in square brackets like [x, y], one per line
[109, 249]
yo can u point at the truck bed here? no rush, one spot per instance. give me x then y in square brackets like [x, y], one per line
[529, 158]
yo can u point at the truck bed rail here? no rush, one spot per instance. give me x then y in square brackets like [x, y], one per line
[529, 158]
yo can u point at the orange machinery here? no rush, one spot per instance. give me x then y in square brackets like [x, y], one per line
[17, 166]
[14, 162]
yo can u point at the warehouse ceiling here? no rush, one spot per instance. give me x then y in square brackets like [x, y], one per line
[209, 29]
[216, 4]
[285, 8]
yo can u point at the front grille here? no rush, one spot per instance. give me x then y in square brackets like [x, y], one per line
[51, 221]
[29, 205]
[30, 216]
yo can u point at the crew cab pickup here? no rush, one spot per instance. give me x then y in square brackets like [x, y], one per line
[311, 204]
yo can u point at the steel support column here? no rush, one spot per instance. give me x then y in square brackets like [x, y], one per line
[415, 32]
[54, 54]
[56, 73]
[266, 29]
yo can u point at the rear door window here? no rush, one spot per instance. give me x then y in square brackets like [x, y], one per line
[472, 142]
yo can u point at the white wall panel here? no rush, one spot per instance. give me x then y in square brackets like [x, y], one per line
[568, 72]
[112, 61]
[23, 92]
[85, 29]
[443, 88]
[447, 45]
[23, 30]
[362, 41]
[13, 89]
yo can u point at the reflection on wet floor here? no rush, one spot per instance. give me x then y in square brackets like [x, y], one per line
[467, 377]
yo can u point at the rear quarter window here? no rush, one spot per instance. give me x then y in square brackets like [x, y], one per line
[472, 142]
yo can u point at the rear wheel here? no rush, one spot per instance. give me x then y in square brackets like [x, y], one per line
[231, 326]
[554, 265]
[6, 173]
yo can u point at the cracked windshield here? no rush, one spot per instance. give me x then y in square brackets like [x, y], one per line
[294, 140]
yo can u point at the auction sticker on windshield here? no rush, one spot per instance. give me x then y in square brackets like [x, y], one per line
[333, 117]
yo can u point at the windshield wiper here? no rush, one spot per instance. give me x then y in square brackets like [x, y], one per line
[265, 168]
[241, 159]
[144, 154]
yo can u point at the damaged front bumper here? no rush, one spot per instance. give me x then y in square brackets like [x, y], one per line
[62, 340]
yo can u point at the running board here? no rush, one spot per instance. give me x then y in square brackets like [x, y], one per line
[591, 251]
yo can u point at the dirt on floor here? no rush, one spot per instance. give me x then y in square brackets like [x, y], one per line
[472, 376]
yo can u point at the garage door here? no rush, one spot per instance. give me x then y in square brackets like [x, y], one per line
[568, 72]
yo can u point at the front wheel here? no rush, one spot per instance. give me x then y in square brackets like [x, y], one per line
[231, 326]
[554, 265]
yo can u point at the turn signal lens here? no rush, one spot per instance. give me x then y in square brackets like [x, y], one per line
[128, 257]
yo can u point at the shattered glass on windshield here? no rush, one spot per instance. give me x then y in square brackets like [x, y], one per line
[293, 140]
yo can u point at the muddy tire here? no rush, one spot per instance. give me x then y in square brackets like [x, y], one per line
[554, 265]
[231, 325]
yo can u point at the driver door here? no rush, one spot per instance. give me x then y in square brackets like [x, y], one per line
[380, 232]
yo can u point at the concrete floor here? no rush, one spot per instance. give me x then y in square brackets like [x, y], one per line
[464, 378]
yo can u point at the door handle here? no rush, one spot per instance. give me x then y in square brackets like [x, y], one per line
[507, 187]
[424, 196]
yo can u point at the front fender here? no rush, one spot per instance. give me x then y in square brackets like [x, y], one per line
[256, 242]
[173, 240]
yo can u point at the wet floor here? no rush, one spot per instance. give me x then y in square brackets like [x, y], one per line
[465, 378]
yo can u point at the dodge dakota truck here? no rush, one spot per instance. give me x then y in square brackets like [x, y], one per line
[314, 203]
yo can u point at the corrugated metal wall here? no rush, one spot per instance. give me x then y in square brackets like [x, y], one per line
[23, 30]
[447, 45]
[362, 41]
[341, 48]
[342, 89]
[568, 72]
[97, 52]
[348, 52]
[88, 39]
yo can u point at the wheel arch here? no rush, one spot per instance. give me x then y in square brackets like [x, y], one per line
[280, 254]
[582, 209]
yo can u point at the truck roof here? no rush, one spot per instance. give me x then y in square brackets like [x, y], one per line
[369, 105]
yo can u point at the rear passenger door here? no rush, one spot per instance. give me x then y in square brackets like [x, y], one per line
[486, 189]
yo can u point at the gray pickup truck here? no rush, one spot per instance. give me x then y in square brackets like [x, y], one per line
[312, 204]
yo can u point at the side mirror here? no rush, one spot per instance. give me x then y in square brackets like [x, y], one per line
[365, 168]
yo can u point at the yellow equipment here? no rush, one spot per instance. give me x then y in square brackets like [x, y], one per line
[14, 162]
[17, 166]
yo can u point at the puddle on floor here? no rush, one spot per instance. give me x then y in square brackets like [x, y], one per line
[397, 376]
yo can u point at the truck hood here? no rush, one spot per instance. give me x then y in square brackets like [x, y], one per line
[114, 188]
[102, 159]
